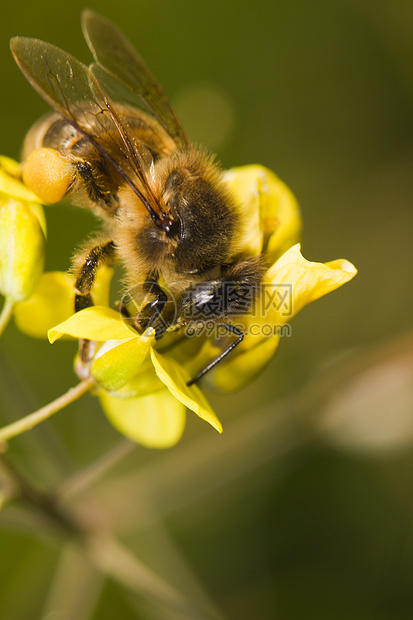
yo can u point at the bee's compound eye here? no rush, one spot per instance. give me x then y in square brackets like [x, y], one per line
[47, 174]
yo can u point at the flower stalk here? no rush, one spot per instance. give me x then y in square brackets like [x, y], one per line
[35, 418]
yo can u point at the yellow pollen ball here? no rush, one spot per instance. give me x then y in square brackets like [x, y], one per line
[47, 174]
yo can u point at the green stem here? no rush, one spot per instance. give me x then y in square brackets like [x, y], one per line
[31, 420]
[5, 315]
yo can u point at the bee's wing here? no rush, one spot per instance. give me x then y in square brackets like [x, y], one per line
[117, 60]
[70, 87]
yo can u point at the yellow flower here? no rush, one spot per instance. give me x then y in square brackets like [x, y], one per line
[142, 383]
[145, 409]
[268, 207]
[289, 284]
[22, 236]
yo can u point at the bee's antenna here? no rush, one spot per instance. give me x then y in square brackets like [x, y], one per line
[233, 330]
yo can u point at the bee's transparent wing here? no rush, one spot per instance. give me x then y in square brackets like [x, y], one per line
[117, 62]
[71, 88]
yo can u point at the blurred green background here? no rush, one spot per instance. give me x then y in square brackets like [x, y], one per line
[304, 506]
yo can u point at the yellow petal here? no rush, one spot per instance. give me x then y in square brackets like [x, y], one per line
[300, 281]
[268, 208]
[11, 166]
[101, 287]
[114, 367]
[38, 211]
[281, 216]
[10, 183]
[155, 421]
[244, 184]
[175, 377]
[51, 303]
[12, 187]
[94, 323]
[144, 383]
[22, 250]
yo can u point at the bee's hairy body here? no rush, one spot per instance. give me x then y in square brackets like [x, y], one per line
[167, 217]
[185, 181]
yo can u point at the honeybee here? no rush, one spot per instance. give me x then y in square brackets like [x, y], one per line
[114, 145]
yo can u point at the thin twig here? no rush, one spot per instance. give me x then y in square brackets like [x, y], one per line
[31, 420]
[86, 584]
[106, 554]
[111, 558]
[5, 315]
[42, 501]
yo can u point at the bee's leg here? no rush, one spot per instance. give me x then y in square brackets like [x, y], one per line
[98, 256]
[123, 309]
[150, 313]
[231, 329]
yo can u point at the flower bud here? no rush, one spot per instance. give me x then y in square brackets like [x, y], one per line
[22, 249]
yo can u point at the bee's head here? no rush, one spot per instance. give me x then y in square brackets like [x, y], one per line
[201, 217]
